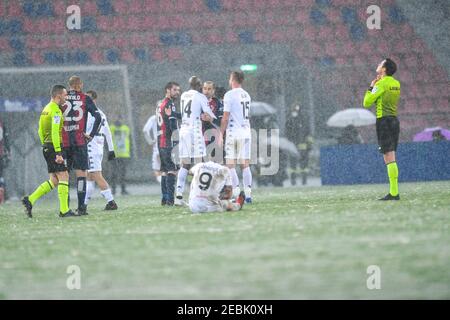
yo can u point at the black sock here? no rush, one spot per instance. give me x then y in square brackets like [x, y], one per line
[164, 187]
[170, 182]
[81, 190]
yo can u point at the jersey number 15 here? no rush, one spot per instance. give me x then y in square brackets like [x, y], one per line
[245, 108]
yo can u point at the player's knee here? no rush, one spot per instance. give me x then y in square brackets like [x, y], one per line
[54, 180]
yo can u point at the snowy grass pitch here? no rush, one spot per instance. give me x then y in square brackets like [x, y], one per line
[290, 244]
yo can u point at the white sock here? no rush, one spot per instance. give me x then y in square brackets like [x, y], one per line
[235, 182]
[107, 194]
[90, 188]
[247, 179]
[181, 181]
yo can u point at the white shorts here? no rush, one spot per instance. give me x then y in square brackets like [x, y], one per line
[156, 161]
[201, 205]
[238, 145]
[95, 154]
[192, 143]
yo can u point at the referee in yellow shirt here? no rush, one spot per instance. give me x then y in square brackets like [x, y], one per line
[385, 93]
[50, 126]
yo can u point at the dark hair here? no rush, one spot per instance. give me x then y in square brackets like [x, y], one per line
[170, 85]
[238, 76]
[92, 93]
[195, 83]
[390, 66]
[56, 89]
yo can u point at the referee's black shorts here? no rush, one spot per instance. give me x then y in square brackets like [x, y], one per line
[77, 157]
[50, 157]
[167, 164]
[388, 130]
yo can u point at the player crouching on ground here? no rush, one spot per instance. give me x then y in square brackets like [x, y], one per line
[95, 153]
[211, 189]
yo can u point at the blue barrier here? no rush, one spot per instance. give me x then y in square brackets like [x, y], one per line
[361, 164]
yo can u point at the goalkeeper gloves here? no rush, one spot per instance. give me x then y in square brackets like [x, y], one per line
[111, 155]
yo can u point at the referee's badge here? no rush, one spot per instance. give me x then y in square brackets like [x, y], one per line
[374, 90]
[56, 119]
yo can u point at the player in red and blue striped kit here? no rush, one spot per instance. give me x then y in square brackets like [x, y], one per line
[74, 136]
[167, 116]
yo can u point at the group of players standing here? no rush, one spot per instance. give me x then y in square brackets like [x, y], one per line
[72, 131]
[205, 122]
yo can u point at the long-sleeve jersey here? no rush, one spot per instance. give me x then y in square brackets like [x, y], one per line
[75, 117]
[150, 130]
[386, 94]
[50, 126]
[166, 122]
[103, 129]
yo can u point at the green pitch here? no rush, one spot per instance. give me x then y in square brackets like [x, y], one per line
[290, 244]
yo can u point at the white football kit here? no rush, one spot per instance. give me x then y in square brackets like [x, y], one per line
[192, 142]
[238, 132]
[96, 145]
[207, 183]
[151, 134]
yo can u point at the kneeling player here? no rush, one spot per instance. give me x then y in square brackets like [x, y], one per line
[211, 189]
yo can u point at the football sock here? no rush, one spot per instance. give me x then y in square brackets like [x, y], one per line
[247, 179]
[81, 190]
[63, 195]
[393, 178]
[170, 182]
[182, 174]
[164, 187]
[40, 191]
[107, 194]
[90, 188]
[235, 182]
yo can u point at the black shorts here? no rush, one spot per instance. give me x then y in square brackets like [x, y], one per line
[77, 157]
[388, 130]
[50, 157]
[167, 164]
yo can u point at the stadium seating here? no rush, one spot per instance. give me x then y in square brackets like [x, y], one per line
[321, 33]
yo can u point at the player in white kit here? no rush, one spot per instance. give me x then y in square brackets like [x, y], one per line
[192, 149]
[95, 153]
[211, 189]
[151, 134]
[236, 124]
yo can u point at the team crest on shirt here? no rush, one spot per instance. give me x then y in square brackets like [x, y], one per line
[374, 90]
[56, 119]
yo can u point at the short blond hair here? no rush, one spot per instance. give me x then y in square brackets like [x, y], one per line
[74, 81]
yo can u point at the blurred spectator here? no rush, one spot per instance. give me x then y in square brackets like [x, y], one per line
[121, 139]
[438, 136]
[350, 135]
[298, 131]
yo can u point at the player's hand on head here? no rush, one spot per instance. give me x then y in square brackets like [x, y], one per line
[111, 155]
